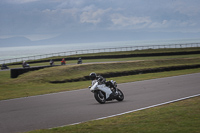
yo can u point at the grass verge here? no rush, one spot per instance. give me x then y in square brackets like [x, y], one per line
[71, 72]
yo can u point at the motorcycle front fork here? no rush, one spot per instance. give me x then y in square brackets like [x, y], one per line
[114, 90]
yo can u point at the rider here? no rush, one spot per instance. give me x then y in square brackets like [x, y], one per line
[51, 62]
[94, 77]
[63, 61]
[79, 61]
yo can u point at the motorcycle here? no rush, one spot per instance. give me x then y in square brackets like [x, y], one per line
[103, 92]
[4, 66]
[79, 61]
[26, 65]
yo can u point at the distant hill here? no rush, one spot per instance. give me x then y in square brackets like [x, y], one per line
[90, 37]
[15, 41]
[73, 37]
[97, 36]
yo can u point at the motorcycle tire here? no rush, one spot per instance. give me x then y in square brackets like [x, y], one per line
[100, 97]
[120, 96]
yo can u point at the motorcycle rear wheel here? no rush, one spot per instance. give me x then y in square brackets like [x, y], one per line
[120, 96]
[100, 97]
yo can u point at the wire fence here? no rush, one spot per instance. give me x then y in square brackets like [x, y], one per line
[89, 51]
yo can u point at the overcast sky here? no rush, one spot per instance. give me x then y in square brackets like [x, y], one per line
[41, 19]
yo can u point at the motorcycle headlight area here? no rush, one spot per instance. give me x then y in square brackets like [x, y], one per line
[114, 83]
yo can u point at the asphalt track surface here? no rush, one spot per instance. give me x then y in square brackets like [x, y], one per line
[59, 109]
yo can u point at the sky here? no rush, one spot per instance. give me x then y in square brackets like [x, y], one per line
[119, 19]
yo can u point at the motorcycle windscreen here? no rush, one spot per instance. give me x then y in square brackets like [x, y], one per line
[94, 87]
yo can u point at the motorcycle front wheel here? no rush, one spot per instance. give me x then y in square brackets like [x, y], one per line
[100, 97]
[120, 96]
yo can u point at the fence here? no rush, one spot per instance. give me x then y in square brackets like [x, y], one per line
[88, 51]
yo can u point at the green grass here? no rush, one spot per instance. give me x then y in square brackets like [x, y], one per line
[179, 117]
[78, 71]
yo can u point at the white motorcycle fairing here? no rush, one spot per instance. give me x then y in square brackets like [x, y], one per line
[101, 87]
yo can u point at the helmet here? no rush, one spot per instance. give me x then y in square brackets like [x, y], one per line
[93, 76]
